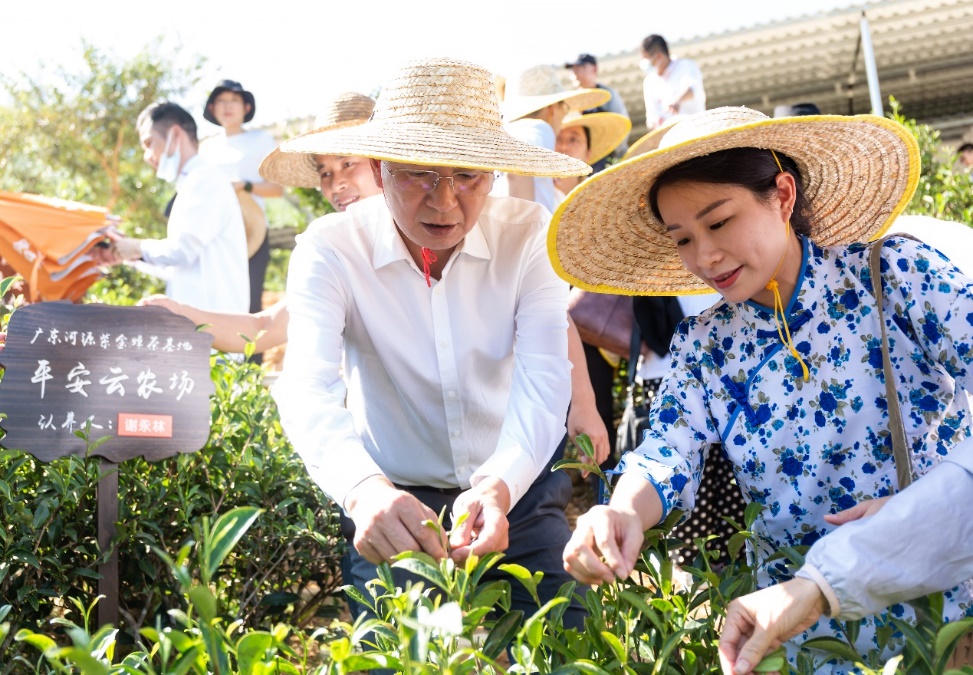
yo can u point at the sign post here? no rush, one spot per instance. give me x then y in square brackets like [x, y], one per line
[137, 375]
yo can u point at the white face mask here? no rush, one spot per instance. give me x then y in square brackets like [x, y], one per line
[168, 169]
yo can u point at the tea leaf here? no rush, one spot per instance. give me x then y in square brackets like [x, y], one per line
[504, 631]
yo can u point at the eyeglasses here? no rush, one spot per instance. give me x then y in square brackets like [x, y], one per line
[423, 181]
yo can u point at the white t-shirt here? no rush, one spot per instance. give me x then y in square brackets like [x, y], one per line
[204, 255]
[539, 133]
[239, 155]
[661, 91]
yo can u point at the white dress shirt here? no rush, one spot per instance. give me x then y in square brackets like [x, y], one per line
[204, 255]
[444, 385]
[661, 91]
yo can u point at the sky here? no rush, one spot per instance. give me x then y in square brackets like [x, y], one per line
[294, 55]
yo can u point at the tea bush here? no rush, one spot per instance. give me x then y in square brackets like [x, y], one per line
[285, 568]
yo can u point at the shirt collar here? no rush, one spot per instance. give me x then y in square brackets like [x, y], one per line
[190, 164]
[390, 248]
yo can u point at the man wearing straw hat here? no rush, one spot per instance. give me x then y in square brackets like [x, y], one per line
[440, 305]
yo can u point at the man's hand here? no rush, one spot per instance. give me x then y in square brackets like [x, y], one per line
[389, 521]
[584, 419]
[759, 622]
[862, 509]
[605, 545]
[486, 528]
[127, 248]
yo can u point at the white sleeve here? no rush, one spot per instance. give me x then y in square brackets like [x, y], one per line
[199, 216]
[310, 393]
[533, 425]
[896, 555]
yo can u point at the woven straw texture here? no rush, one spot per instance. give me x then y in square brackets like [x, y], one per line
[299, 169]
[440, 112]
[651, 140]
[859, 174]
[540, 86]
[607, 130]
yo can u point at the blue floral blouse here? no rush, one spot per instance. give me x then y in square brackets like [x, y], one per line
[806, 449]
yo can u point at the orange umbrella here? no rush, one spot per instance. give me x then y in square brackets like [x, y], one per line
[48, 241]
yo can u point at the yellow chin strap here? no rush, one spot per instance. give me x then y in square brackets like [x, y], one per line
[773, 286]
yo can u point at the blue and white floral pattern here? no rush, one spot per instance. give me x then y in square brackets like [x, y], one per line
[806, 449]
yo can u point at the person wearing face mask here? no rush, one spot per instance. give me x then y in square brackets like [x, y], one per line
[203, 257]
[672, 86]
[343, 180]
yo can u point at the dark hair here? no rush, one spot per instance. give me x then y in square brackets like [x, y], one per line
[165, 115]
[655, 43]
[965, 147]
[587, 135]
[750, 168]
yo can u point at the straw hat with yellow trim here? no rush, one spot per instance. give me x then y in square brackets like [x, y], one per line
[440, 112]
[858, 173]
[540, 86]
[651, 140]
[606, 129]
[299, 169]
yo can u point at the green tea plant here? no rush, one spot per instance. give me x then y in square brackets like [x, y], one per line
[287, 568]
[945, 191]
[199, 640]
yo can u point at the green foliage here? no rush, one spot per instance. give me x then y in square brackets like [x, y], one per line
[71, 134]
[285, 568]
[944, 191]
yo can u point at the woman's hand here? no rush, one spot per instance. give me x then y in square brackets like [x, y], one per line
[863, 509]
[759, 622]
[604, 546]
[584, 419]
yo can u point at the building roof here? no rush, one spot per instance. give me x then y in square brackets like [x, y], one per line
[923, 51]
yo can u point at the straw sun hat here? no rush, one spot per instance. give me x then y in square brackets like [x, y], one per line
[440, 112]
[538, 87]
[300, 169]
[651, 140]
[607, 131]
[858, 173]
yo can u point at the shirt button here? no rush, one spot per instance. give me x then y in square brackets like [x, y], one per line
[454, 434]
[450, 394]
[444, 344]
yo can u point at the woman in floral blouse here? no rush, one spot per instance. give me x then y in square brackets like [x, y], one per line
[786, 372]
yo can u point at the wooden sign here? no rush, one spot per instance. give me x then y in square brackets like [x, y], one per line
[140, 375]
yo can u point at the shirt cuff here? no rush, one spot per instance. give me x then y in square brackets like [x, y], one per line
[513, 466]
[810, 572]
[151, 249]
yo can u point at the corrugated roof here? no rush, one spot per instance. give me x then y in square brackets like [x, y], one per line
[923, 50]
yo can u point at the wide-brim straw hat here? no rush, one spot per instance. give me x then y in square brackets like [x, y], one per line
[299, 169]
[607, 131]
[540, 86]
[858, 173]
[651, 140]
[440, 112]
